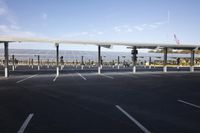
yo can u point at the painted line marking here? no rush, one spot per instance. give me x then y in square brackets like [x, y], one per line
[191, 104]
[145, 130]
[54, 80]
[23, 127]
[26, 78]
[82, 76]
[107, 76]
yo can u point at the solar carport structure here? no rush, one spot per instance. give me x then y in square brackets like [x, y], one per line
[134, 46]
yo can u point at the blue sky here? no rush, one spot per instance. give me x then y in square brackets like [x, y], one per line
[124, 20]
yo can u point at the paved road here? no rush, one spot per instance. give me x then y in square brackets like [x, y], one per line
[86, 102]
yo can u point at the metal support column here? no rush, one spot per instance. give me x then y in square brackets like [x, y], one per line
[82, 63]
[149, 62]
[57, 59]
[101, 62]
[99, 59]
[165, 60]
[32, 63]
[13, 62]
[76, 64]
[178, 62]
[113, 64]
[134, 52]
[29, 62]
[89, 63]
[192, 61]
[47, 63]
[6, 59]
[38, 62]
[118, 62]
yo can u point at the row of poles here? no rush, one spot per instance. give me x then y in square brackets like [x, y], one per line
[134, 53]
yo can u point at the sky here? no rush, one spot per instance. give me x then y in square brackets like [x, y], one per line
[107, 20]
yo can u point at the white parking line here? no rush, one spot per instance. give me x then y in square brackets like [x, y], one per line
[145, 130]
[54, 80]
[26, 78]
[82, 76]
[107, 76]
[23, 127]
[191, 104]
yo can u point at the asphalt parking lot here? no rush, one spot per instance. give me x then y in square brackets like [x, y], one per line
[113, 102]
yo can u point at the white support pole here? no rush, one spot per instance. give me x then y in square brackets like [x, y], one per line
[89, 64]
[38, 62]
[99, 70]
[57, 59]
[118, 62]
[6, 59]
[82, 63]
[165, 60]
[48, 63]
[57, 71]
[99, 59]
[134, 69]
[13, 62]
[149, 62]
[191, 68]
[165, 69]
[134, 52]
[192, 61]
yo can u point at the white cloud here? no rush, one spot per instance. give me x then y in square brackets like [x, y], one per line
[139, 28]
[160, 23]
[12, 30]
[99, 33]
[83, 34]
[143, 25]
[129, 30]
[9, 26]
[117, 29]
[153, 26]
